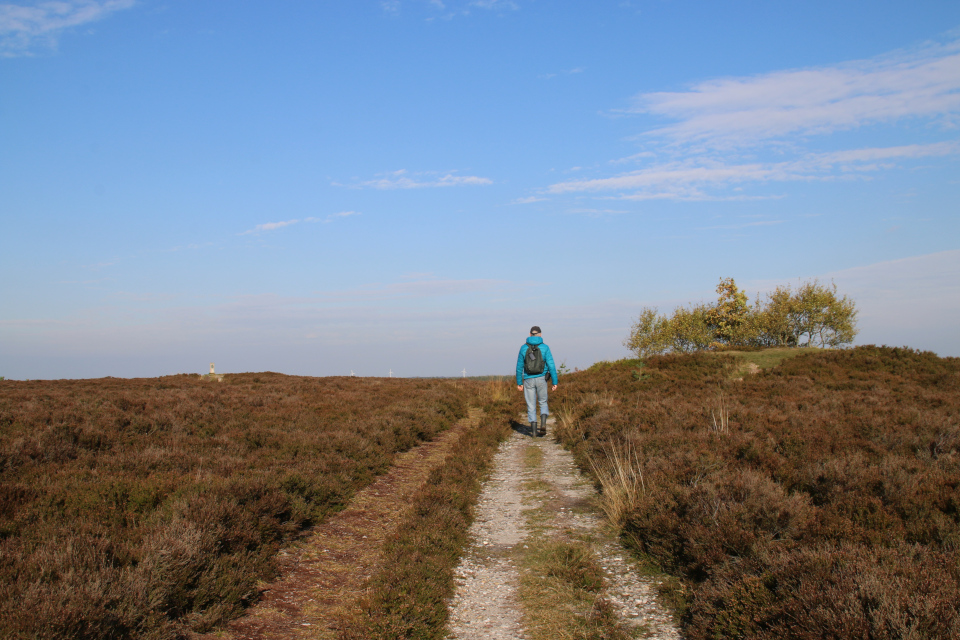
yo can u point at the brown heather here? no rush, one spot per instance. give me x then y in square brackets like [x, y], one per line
[828, 508]
[150, 507]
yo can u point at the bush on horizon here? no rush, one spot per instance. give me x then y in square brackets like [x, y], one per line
[784, 319]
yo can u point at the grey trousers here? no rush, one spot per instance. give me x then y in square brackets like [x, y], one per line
[535, 389]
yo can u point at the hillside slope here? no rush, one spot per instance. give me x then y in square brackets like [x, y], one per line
[817, 499]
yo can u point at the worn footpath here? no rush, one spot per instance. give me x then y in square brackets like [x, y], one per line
[535, 493]
[324, 576]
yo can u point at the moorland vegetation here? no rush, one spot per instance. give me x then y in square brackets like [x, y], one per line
[817, 499]
[408, 596]
[811, 315]
[148, 508]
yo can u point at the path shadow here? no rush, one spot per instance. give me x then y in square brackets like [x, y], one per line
[521, 427]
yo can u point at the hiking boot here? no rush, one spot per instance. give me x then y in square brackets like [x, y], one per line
[543, 424]
[533, 429]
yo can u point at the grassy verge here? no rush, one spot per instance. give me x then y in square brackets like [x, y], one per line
[408, 597]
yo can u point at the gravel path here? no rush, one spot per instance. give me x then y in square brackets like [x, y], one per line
[545, 491]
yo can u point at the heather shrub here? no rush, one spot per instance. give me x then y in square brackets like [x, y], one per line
[148, 508]
[838, 469]
[833, 592]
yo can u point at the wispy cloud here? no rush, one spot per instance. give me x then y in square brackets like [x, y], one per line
[568, 72]
[529, 200]
[450, 9]
[404, 180]
[596, 213]
[272, 226]
[391, 7]
[341, 214]
[26, 25]
[269, 226]
[494, 4]
[728, 112]
[689, 179]
[730, 133]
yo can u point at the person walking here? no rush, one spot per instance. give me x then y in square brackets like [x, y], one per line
[533, 364]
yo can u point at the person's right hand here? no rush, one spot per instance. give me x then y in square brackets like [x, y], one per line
[520, 387]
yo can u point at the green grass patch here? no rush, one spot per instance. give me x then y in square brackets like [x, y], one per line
[532, 456]
[769, 358]
[561, 589]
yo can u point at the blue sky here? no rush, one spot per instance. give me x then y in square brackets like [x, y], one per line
[324, 187]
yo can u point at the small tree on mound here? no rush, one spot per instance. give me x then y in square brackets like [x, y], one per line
[813, 315]
[728, 317]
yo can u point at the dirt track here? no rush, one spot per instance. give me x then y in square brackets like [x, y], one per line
[325, 574]
[528, 495]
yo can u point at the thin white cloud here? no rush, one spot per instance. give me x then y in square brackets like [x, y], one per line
[391, 7]
[568, 72]
[494, 4]
[596, 213]
[454, 8]
[687, 179]
[529, 200]
[873, 154]
[26, 25]
[634, 158]
[341, 214]
[271, 226]
[923, 83]
[403, 180]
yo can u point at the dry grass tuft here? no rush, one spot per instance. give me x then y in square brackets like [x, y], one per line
[567, 427]
[495, 391]
[620, 474]
[723, 425]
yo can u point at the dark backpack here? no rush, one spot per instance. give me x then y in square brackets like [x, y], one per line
[533, 360]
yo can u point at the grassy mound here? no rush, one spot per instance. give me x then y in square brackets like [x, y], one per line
[819, 498]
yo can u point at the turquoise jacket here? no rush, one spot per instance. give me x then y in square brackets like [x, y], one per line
[547, 359]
